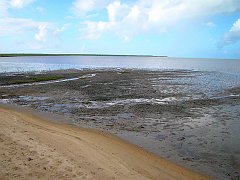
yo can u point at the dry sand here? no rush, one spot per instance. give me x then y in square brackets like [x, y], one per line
[31, 148]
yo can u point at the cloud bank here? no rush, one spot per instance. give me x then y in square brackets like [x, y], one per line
[128, 19]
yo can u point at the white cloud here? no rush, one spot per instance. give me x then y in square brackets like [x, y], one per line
[117, 11]
[93, 30]
[174, 10]
[232, 36]
[84, 7]
[32, 34]
[10, 26]
[58, 30]
[41, 35]
[5, 5]
[130, 19]
[20, 3]
[41, 32]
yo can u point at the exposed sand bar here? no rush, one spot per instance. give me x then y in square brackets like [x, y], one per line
[35, 148]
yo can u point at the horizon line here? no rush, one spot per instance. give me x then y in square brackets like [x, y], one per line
[92, 54]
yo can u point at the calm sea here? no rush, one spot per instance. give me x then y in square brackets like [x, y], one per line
[23, 64]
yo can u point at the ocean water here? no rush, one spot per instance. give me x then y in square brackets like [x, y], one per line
[23, 64]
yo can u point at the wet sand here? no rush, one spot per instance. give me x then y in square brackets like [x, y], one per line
[188, 117]
[35, 148]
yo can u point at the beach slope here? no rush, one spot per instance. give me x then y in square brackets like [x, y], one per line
[31, 148]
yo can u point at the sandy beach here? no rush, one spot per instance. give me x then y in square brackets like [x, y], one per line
[36, 148]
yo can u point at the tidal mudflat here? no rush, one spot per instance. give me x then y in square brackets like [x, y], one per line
[188, 117]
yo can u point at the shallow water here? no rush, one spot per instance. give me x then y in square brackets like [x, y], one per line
[214, 77]
[19, 64]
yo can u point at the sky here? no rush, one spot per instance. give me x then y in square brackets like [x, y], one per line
[175, 28]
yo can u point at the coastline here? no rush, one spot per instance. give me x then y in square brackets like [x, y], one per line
[39, 54]
[35, 148]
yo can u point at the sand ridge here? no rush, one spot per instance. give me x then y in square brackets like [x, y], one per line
[34, 148]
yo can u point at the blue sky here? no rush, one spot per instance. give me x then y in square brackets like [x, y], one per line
[176, 28]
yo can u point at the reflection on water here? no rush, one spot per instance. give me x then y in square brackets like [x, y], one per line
[18, 64]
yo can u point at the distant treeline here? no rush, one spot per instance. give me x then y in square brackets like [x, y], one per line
[37, 54]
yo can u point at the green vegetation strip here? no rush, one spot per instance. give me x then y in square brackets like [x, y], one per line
[29, 54]
[38, 79]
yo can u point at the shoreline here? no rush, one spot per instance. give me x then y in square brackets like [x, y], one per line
[103, 155]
